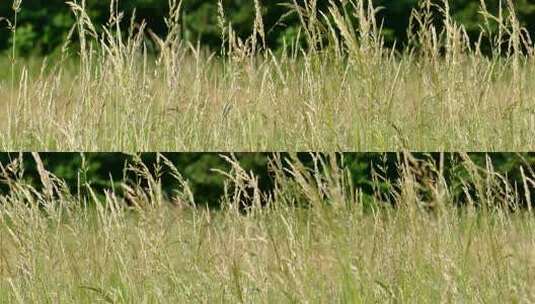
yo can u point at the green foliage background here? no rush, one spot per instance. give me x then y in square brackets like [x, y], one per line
[107, 170]
[43, 24]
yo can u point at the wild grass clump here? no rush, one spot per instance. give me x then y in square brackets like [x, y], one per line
[341, 89]
[313, 239]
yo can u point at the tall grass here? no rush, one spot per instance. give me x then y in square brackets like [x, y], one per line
[315, 239]
[340, 90]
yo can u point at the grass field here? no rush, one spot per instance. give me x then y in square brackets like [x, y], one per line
[315, 240]
[340, 90]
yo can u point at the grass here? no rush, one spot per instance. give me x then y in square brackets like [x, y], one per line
[315, 240]
[342, 90]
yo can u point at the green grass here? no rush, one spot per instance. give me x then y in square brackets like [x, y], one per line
[316, 240]
[284, 255]
[354, 94]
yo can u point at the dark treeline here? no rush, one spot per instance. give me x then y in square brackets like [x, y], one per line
[373, 173]
[43, 25]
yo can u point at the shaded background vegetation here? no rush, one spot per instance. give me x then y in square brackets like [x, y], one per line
[43, 24]
[106, 170]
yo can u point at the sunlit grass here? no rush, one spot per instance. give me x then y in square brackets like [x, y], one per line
[439, 93]
[315, 240]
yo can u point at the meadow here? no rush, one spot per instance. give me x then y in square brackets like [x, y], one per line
[315, 235]
[336, 87]
[315, 238]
